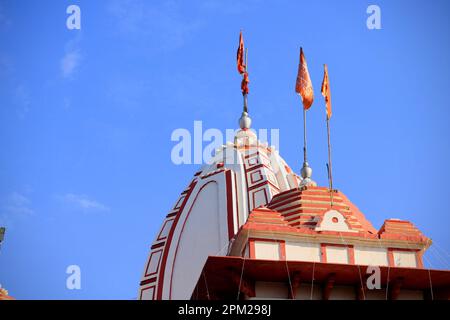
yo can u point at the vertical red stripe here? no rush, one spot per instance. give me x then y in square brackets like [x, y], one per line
[251, 248]
[323, 251]
[391, 257]
[419, 259]
[282, 250]
[351, 254]
[229, 187]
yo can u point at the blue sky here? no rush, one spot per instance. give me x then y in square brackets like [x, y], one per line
[86, 118]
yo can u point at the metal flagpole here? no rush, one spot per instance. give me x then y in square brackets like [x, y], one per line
[330, 171]
[304, 137]
[303, 87]
[243, 77]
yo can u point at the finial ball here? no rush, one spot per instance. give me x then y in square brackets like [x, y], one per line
[245, 121]
[306, 171]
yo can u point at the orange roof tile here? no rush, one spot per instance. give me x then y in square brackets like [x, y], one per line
[401, 229]
[303, 207]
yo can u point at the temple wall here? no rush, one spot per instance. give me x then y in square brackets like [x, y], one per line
[267, 250]
[371, 256]
[337, 254]
[405, 258]
[303, 251]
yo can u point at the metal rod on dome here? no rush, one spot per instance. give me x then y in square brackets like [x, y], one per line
[304, 137]
[246, 70]
[245, 103]
[330, 170]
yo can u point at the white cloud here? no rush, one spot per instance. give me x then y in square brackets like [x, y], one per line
[15, 205]
[70, 62]
[83, 202]
[73, 56]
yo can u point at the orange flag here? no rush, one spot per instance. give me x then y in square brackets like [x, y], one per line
[326, 91]
[244, 83]
[303, 85]
[240, 55]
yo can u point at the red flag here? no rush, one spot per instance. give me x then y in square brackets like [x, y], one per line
[240, 55]
[303, 85]
[326, 91]
[244, 83]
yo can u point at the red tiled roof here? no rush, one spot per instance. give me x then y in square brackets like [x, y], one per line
[300, 210]
[263, 215]
[303, 207]
[405, 230]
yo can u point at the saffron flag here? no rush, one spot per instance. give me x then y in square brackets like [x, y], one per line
[244, 84]
[240, 55]
[326, 91]
[303, 85]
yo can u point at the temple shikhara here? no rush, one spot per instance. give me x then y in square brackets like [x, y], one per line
[248, 227]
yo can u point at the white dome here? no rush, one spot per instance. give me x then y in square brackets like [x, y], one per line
[242, 176]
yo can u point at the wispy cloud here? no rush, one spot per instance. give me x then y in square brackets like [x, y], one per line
[83, 202]
[5, 21]
[231, 7]
[160, 24]
[70, 62]
[73, 56]
[165, 24]
[15, 205]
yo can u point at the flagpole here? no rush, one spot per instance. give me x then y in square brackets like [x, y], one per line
[242, 66]
[303, 87]
[243, 76]
[327, 95]
[330, 170]
[304, 137]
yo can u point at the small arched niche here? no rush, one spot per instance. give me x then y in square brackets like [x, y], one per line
[333, 220]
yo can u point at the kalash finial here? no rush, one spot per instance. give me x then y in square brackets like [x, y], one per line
[306, 174]
[245, 121]
[242, 65]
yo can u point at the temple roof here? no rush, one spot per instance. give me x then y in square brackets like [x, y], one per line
[304, 207]
[395, 228]
[302, 211]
